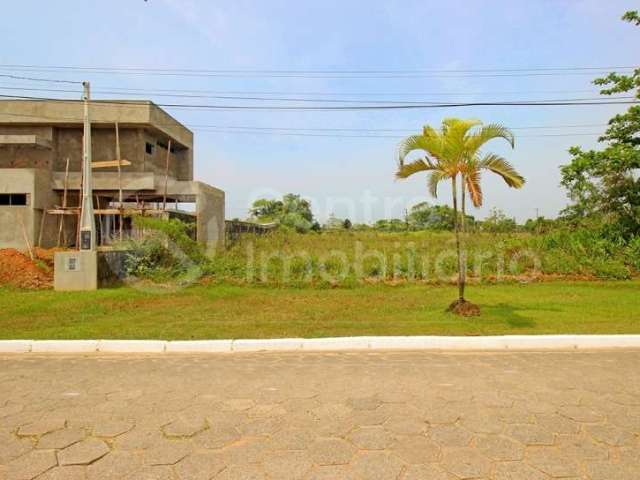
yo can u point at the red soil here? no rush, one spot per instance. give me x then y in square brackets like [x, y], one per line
[18, 270]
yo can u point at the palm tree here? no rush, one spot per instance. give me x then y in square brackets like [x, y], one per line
[455, 151]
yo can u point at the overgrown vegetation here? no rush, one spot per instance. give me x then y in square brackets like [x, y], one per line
[166, 251]
[350, 258]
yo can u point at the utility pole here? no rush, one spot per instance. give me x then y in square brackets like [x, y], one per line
[87, 220]
[78, 270]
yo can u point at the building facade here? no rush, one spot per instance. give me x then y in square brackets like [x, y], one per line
[40, 172]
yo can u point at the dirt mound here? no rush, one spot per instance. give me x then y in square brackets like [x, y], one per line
[18, 270]
[464, 308]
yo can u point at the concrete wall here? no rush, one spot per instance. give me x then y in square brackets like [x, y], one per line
[210, 216]
[35, 183]
[24, 156]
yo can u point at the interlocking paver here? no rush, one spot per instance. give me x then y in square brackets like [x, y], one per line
[12, 447]
[376, 415]
[372, 438]
[376, 465]
[466, 463]
[417, 449]
[64, 473]
[115, 465]
[289, 465]
[167, 453]
[60, 438]
[517, 471]
[450, 436]
[41, 427]
[31, 464]
[184, 428]
[425, 472]
[83, 453]
[500, 448]
[551, 461]
[112, 428]
[242, 472]
[331, 451]
[530, 434]
[610, 434]
[200, 466]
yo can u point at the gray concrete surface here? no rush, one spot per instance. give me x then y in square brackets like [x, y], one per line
[378, 415]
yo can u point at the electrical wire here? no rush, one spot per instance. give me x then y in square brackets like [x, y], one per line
[421, 105]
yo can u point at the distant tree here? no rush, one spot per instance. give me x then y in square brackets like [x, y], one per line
[333, 223]
[390, 225]
[604, 185]
[292, 211]
[346, 224]
[423, 216]
[453, 152]
[266, 210]
[498, 222]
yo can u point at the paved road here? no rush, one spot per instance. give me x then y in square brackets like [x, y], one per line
[506, 416]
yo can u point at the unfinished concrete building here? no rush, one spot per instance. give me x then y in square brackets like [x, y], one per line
[143, 165]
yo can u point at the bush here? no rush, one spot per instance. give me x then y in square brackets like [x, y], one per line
[166, 251]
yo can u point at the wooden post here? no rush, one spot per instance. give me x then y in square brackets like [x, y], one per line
[119, 176]
[166, 176]
[64, 204]
[44, 215]
[25, 236]
[99, 219]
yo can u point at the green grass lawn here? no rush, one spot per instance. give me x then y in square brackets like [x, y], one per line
[224, 311]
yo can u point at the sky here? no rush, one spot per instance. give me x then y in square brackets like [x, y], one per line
[341, 172]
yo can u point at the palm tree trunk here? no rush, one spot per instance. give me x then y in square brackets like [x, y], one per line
[463, 228]
[456, 225]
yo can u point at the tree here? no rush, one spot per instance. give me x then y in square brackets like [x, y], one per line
[498, 222]
[292, 211]
[346, 224]
[604, 185]
[423, 216]
[452, 152]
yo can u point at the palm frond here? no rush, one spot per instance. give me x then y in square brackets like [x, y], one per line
[472, 180]
[407, 169]
[498, 165]
[476, 140]
[432, 182]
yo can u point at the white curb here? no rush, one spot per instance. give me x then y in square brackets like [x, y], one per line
[336, 343]
[272, 345]
[424, 343]
[199, 346]
[131, 346]
[15, 346]
[64, 346]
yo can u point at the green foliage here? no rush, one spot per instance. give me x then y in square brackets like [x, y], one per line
[292, 212]
[423, 216]
[605, 184]
[166, 252]
[498, 222]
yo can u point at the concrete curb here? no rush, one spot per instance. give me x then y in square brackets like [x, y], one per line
[426, 343]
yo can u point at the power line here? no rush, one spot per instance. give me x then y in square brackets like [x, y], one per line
[245, 98]
[325, 73]
[407, 130]
[421, 105]
[51, 80]
[396, 137]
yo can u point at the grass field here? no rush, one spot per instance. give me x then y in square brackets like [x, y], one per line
[227, 311]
